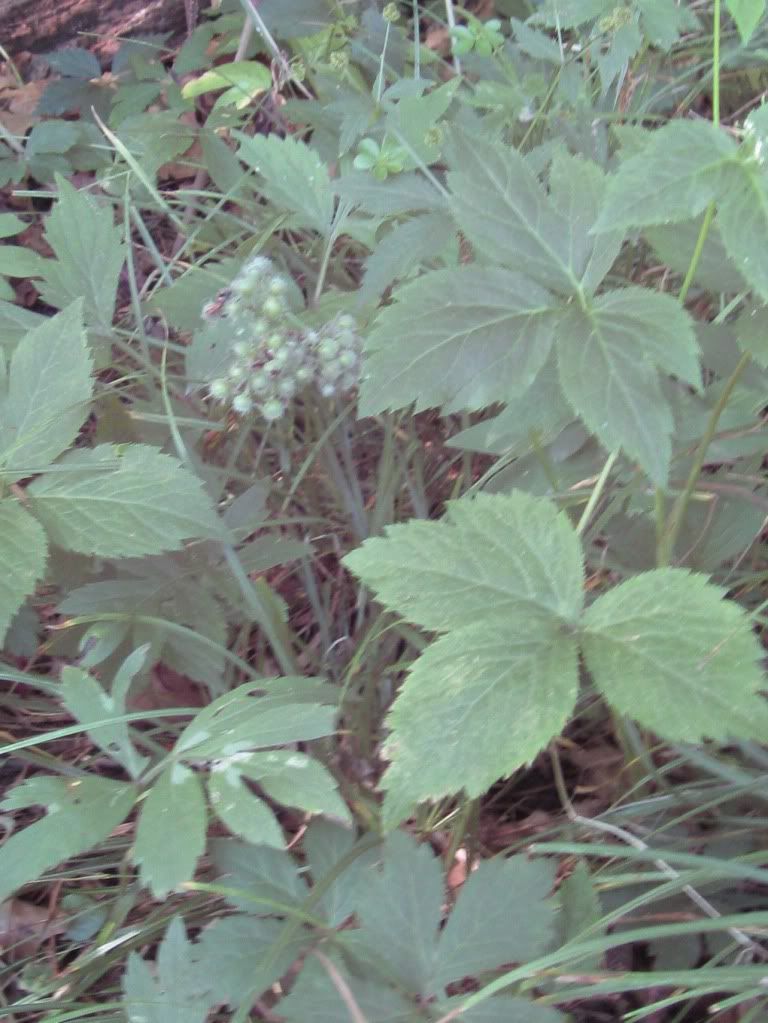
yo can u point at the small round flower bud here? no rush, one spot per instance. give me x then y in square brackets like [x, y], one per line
[259, 382]
[236, 372]
[286, 388]
[391, 13]
[272, 409]
[304, 374]
[273, 307]
[328, 348]
[242, 404]
[348, 359]
[277, 286]
[218, 389]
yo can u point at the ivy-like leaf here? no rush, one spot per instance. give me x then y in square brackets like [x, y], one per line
[176, 991]
[49, 389]
[668, 650]
[122, 501]
[684, 167]
[461, 339]
[23, 555]
[90, 252]
[606, 357]
[81, 813]
[170, 836]
[502, 575]
[292, 176]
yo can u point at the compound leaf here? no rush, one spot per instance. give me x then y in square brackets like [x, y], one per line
[90, 253]
[49, 389]
[122, 501]
[667, 649]
[483, 699]
[81, 813]
[170, 836]
[294, 779]
[461, 339]
[23, 556]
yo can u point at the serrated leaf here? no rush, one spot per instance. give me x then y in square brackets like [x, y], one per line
[751, 330]
[314, 996]
[88, 702]
[747, 15]
[292, 176]
[16, 261]
[675, 245]
[478, 704]
[505, 213]
[81, 813]
[170, 836]
[239, 808]
[403, 193]
[481, 932]
[75, 62]
[325, 844]
[400, 912]
[461, 339]
[122, 501]
[176, 991]
[418, 240]
[580, 911]
[667, 649]
[266, 876]
[49, 389]
[742, 219]
[606, 357]
[23, 556]
[294, 779]
[683, 168]
[235, 955]
[290, 710]
[90, 253]
[503, 684]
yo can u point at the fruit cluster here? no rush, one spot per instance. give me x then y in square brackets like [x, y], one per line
[274, 357]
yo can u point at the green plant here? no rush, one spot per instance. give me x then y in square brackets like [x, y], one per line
[402, 439]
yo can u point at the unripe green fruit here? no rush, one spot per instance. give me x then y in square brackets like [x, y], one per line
[272, 409]
[278, 286]
[242, 404]
[260, 328]
[236, 372]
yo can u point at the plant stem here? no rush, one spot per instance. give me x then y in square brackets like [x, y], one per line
[596, 494]
[668, 540]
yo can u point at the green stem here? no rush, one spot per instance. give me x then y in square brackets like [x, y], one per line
[596, 494]
[677, 516]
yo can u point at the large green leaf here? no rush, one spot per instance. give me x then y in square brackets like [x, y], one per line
[668, 650]
[292, 176]
[81, 813]
[502, 575]
[23, 555]
[683, 168]
[503, 210]
[121, 501]
[89, 251]
[742, 218]
[481, 932]
[176, 990]
[49, 389]
[607, 352]
[315, 997]
[170, 836]
[460, 339]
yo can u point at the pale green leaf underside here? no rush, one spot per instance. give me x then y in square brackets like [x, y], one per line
[49, 389]
[122, 502]
[668, 650]
[461, 339]
[80, 815]
[489, 559]
[170, 836]
[23, 555]
[89, 251]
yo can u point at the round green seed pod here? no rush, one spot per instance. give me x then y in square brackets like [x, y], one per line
[272, 409]
[242, 404]
[219, 389]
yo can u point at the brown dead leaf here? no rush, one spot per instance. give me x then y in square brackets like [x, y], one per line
[167, 689]
[25, 926]
[20, 103]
